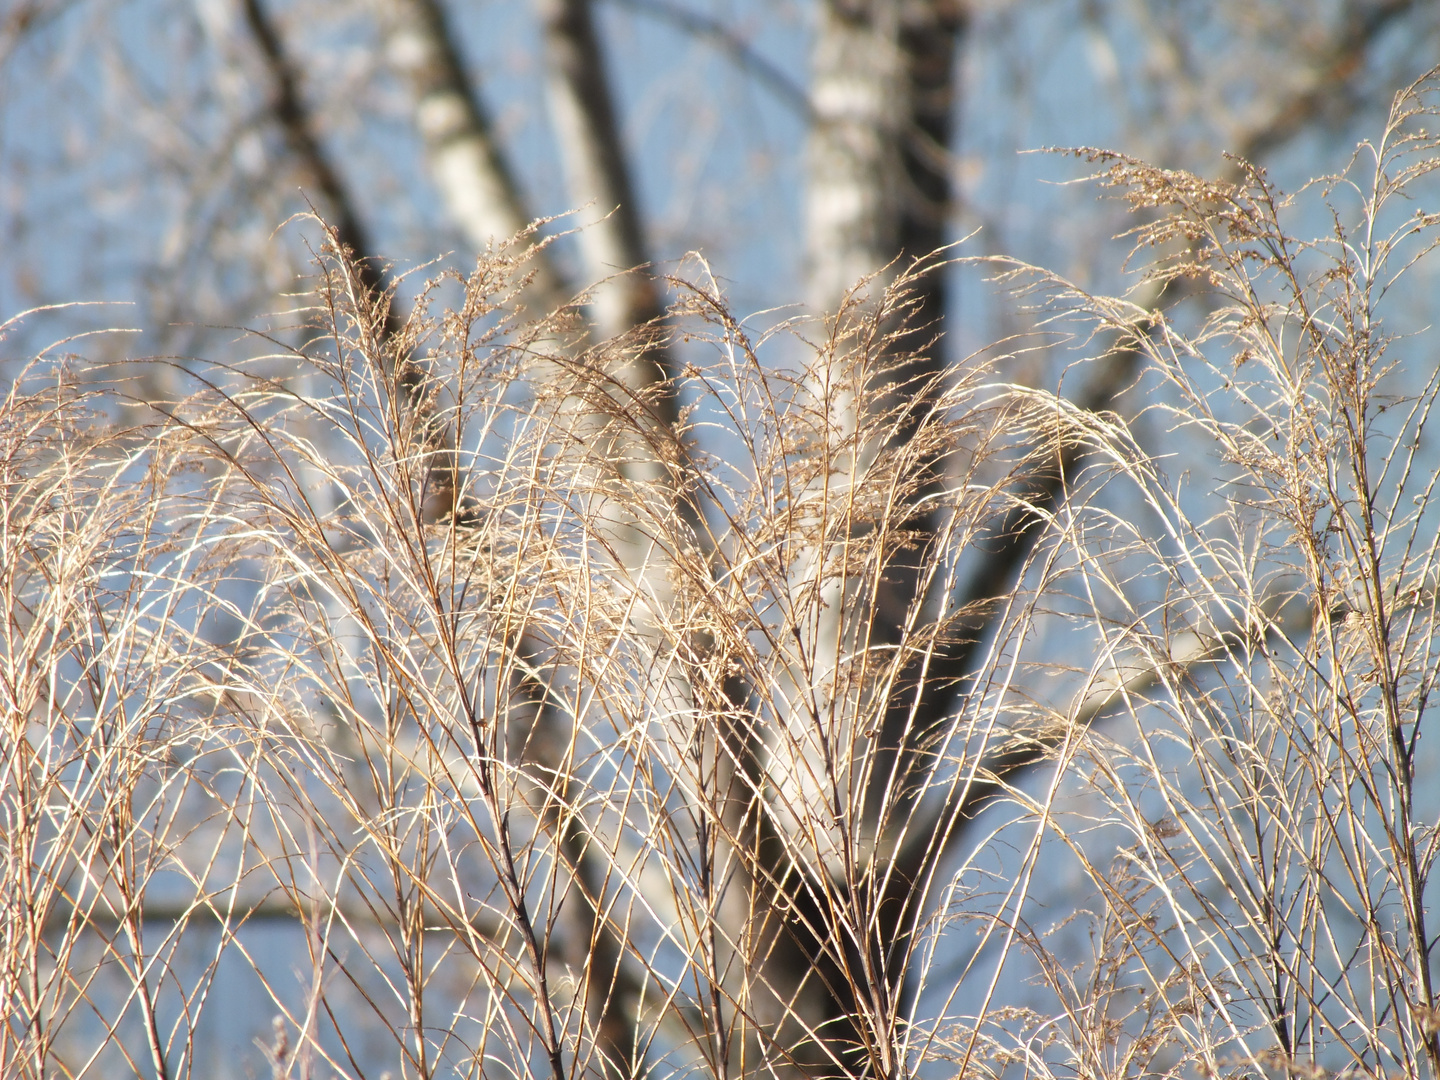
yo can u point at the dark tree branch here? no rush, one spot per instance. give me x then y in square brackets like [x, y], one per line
[725, 40]
[1013, 536]
[611, 235]
[439, 498]
[291, 114]
[1331, 95]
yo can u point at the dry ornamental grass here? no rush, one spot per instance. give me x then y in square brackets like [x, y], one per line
[581, 722]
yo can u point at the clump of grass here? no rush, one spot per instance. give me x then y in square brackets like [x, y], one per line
[579, 723]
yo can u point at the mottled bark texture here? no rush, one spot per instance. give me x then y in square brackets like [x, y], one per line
[878, 200]
[465, 162]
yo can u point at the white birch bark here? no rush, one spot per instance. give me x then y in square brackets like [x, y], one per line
[482, 200]
[851, 232]
[621, 299]
[481, 197]
[854, 172]
[598, 179]
[853, 193]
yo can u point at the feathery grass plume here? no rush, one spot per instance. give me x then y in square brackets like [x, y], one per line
[1270, 908]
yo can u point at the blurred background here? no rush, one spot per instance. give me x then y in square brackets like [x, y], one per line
[147, 155]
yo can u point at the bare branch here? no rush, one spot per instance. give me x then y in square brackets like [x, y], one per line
[715, 32]
[1330, 94]
[290, 112]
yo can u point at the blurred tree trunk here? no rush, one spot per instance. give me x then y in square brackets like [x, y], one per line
[877, 205]
[466, 164]
[598, 177]
[482, 199]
